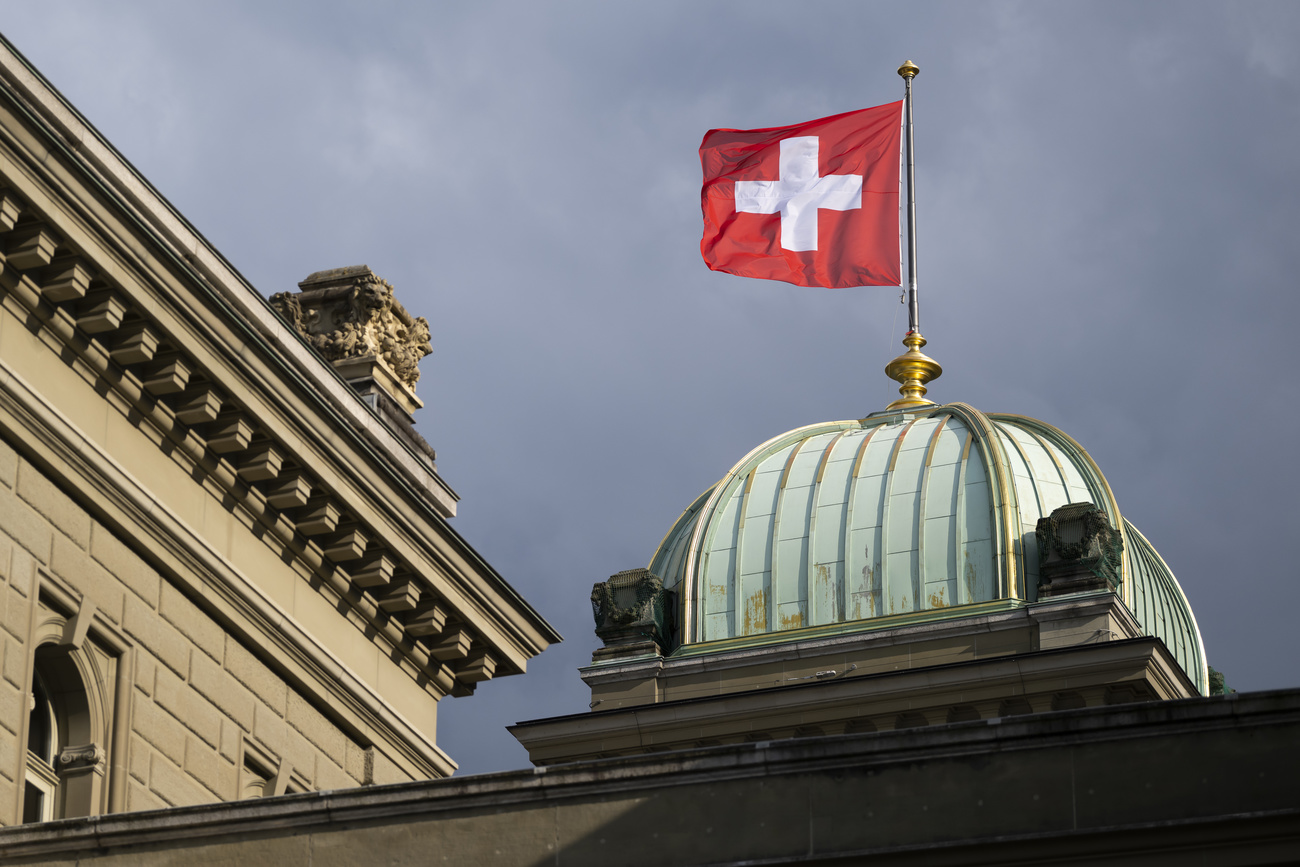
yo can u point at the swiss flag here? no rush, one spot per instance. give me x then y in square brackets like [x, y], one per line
[815, 204]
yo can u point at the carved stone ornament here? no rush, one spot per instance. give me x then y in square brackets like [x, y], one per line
[630, 611]
[81, 757]
[350, 313]
[1078, 550]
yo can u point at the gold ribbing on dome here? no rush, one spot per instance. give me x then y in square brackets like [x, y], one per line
[913, 369]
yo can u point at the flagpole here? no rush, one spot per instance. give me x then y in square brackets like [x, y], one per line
[908, 71]
[913, 369]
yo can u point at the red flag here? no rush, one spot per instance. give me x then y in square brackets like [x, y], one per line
[815, 204]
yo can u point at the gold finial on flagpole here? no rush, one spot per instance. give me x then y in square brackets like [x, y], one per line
[913, 369]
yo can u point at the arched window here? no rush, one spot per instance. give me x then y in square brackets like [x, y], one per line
[65, 766]
[42, 780]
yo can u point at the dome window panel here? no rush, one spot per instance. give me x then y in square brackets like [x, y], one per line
[901, 523]
[760, 499]
[826, 593]
[868, 502]
[976, 516]
[833, 489]
[863, 573]
[790, 615]
[906, 474]
[875, 459]
[1041, 464]
[755, 549]
[753, 595]
[727, 523]
[1051, 496]
[790, 582]
[940, 562]
[974, 465]
[718, 587]
[941, 490]
[803, 470]
[918, 437]
[717, 626]
[794, 512]
[828, 534]
[864, 605]
[976, 582]
[948, 447]
[1078, 487]
[900, 581]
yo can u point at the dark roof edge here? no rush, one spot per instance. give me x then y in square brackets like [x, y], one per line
[291, 814]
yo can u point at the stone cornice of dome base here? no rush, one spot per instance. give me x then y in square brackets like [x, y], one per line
[989, 689]
[961, 633]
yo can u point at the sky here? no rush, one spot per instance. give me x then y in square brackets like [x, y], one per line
[1108, 196]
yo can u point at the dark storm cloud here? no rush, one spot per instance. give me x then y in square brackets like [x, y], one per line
[1107, 206]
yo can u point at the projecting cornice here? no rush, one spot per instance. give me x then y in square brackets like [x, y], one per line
[126, 293]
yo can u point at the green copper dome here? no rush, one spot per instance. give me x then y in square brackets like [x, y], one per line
[858, 524]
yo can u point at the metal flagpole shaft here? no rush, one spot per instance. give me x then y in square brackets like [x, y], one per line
[913, 369]
[909, 70]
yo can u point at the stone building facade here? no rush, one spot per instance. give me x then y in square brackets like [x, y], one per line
[198, 716]
[228, 568]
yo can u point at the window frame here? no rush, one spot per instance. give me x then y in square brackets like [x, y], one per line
[88, 705]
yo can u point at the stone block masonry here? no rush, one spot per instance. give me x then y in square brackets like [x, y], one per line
[200, 700]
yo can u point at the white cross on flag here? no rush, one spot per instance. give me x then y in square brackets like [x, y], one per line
[814, 204]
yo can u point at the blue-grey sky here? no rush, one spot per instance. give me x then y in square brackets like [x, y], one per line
[1108, 198]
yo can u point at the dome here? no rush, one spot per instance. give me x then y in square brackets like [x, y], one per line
[896, 518]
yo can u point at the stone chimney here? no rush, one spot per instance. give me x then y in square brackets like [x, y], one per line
[349, 315]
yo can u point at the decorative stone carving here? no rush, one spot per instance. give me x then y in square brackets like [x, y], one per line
[1078, 550]
[349, 315]
[83, 757]
[631, 611]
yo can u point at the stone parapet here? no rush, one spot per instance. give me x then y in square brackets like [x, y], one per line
[848, 699]
[1161, 783]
